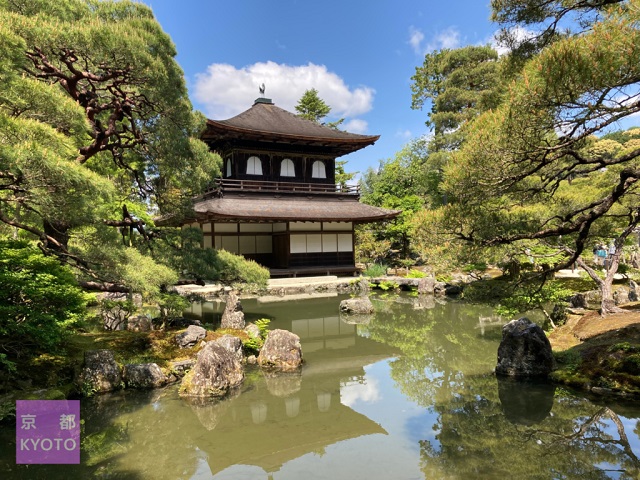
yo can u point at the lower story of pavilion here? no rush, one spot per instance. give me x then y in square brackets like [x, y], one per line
[303, 238]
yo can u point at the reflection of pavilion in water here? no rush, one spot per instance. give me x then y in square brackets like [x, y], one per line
[280, 417]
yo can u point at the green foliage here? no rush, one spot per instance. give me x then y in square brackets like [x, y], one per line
[312, 107]
[254, 344]
[531, 169]
[39, 305]
[530, 296]
[263, 326]
[94, 112]
[475, 267]
[375, 270]
[368, 247]
[402, 183]
[237, 269]
[413, 273]
[386, 285]
[624, 347]
[172, 305]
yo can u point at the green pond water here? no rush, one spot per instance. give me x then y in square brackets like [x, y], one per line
[406, 394]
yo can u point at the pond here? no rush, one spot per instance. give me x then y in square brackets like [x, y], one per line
[406, 394]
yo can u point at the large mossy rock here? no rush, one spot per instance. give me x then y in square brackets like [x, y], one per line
[143, 375]
[281, 350]
[100, 373]
[233, 344]
[216, 371]
[524, 351]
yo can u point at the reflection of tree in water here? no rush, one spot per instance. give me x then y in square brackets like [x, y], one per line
[483, 431]
[475, 439]
[439, 346]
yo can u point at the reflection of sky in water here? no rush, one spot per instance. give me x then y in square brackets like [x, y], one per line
[353, 392]
[368, 457]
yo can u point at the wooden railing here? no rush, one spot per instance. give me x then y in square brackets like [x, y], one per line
[233, 185]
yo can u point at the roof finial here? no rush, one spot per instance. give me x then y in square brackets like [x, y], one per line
[262, 88]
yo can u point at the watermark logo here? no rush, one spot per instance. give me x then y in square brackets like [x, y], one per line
[47, 431]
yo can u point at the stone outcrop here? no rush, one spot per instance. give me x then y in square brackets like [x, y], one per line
[281, 350]
[426, 285]
[633, 291]
[181, 367]
[100, 373]
[215, 373]
[357, 305]
[233, 316]
[233, 344]
[192, 335]
[524, 351]
[578, 300]
[139, 323]
[143, 375]
[252, 330]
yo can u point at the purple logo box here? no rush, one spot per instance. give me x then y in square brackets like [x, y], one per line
[47, 431]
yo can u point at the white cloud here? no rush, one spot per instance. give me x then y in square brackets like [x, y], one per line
[225, 90]
[415, 39]
[404, 134]
[354, 126]
[352, 392]
[448, 38]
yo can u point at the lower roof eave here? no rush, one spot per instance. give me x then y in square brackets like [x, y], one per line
[235, 218]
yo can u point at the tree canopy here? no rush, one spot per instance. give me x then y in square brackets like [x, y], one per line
[532, 169]
[96, 132]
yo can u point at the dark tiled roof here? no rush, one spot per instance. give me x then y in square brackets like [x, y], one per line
[265, 121]
[299, 209]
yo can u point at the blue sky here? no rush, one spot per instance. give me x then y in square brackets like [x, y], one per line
[359, 55]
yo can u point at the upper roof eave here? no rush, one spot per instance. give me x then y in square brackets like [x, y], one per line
[266, 122]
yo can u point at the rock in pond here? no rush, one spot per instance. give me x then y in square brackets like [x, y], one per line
[524, 351]
[192, 335]
[143, 375]
[233, 344]
[233, 316]
[281, 350]
[100, 373]
[357, 305]
[216, 372]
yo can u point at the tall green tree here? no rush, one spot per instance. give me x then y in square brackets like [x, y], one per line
[400, 183]
[96, 132]
[312, 107]
[527, 172]
[457, 86]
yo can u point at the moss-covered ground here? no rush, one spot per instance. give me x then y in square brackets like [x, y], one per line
[600, 353]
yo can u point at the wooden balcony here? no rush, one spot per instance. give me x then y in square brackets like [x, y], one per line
[227, 185]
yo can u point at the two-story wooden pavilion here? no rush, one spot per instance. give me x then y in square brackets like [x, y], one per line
[277, 201]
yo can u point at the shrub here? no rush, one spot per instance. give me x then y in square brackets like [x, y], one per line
[416, 274]
[40, 302]
[172, 305]
[237, 269]
[375, 270]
